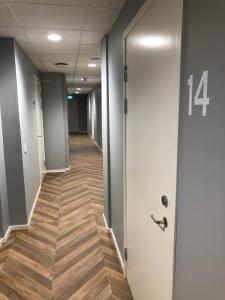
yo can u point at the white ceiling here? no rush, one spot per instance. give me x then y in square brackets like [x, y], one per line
[81, 23]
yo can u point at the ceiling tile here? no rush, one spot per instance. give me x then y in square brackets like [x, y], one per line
[92, 37]
[107, 3]
[58, 58]
[38, 35]
[46, 48]
[49, 16]
[14, 32]
[92, 50]
[6, 18]
[60, 2]
[100, 19]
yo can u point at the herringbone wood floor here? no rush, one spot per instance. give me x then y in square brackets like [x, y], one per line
[66, 253]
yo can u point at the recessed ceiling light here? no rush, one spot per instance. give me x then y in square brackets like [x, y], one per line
[77, 93]
[54, 37]
[78, 89]
[92, 65]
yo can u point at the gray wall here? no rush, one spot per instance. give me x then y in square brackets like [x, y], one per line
[78, 114]
[4, 210]
[95, 115]
[25, 72]
[11, 133]
[116, 116]
[105, 131]
[200, 250]
[55, 121]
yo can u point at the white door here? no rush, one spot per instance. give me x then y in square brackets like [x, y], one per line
[40, 129]
[153, 53]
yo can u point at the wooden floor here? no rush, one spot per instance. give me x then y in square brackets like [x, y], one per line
[66, 253]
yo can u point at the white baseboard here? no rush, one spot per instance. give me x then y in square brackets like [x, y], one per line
[9, 230]
[108, 230]
[57, 171]
[34, 205]
[118, 252]
[20, 227]
[98, 145]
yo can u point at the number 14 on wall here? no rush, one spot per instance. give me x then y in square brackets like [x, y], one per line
[202, 90]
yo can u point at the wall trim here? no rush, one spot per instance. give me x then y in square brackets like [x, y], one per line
[108, 230]
[9, 230]
[20, 227]
[34, 205]
[98, 145]
[57, 171]
[118, 252]
[95, 142]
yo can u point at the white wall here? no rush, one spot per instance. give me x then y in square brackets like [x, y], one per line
[95, 116]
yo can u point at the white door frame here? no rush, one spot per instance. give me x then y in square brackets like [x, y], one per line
[145, 7]
[38, 97]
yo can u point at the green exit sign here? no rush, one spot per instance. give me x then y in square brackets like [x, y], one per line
[70, 97]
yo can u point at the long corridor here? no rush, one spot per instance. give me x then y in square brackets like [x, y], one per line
[66, 252]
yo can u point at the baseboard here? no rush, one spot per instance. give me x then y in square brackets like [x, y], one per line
[118, 252]
[57, 171]
[20, 227]
[95, 142]
[98, 145]
[9, 230]
[34, 205]
[108, 230]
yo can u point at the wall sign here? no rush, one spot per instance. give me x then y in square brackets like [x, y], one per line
[201, 97]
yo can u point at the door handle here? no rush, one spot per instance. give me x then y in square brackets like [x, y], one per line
[163, 224]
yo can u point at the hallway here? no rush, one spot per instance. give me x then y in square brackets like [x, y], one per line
[66, 252]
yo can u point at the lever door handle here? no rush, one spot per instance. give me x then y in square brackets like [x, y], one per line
[163, 224]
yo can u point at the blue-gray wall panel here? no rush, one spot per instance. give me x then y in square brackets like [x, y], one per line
[55, 121]
[200, 248]
[116, 116]
[105, 131]
[25, 72]
[11, 133]
[4, 210]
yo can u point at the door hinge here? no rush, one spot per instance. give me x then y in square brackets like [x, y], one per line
[125, 74]
[125, 106]
[125, 254]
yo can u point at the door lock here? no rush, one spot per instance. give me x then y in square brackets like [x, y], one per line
[163, 224]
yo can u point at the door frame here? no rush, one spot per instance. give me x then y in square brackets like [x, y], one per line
[134, 22]
[38, 96]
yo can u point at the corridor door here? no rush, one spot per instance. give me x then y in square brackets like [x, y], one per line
[40, 129]
[153, 54]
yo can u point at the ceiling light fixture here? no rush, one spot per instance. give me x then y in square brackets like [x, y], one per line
[54, 37]
[77, 93]
[84, 79]
[92, 65]
[78, 89]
